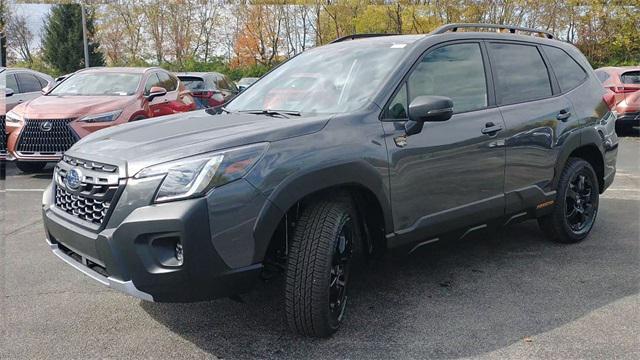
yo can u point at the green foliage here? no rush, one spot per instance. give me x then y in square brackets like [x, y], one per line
[218, 64]
[62, 44]
[38, 64]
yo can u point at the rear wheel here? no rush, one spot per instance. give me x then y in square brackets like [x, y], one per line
[319, 266]
[576, 205]
[29, 167]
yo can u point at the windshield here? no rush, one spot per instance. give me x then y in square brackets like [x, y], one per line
[332, 79]
[92, 84]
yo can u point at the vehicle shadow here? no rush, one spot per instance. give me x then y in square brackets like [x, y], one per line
[449, 300]
[629, 132]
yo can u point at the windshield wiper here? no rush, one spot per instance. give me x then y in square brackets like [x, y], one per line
[269, 112]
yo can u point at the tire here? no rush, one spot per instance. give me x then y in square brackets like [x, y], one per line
[318, 268]
[576, 205]
[29, 167]
[138, 118]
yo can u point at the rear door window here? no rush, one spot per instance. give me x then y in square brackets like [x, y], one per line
[12, 84]
[568, 72]
[631, 77]
[520, 73]
[455, 71]
[28, 83]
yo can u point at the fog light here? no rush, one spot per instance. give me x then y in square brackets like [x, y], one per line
[179, 254]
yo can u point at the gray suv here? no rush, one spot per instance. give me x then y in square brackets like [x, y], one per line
[368, 143]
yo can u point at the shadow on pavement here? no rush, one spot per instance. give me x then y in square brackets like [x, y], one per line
[449, 300]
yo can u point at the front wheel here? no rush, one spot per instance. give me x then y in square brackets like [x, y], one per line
[576, 205]
[319, 266]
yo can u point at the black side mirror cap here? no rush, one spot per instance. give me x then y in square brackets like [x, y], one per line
[427, 108]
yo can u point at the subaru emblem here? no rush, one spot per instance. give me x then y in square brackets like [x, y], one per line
[74, 179]
[46, 126]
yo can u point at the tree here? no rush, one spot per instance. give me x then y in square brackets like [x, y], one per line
[62, 44]
[20, 37]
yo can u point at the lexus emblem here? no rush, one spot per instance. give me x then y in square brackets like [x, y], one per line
[74, 179]
[46, 126]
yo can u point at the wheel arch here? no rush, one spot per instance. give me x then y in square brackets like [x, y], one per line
[586, 145]
[359, 179]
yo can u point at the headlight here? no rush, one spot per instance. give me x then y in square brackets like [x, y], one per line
[104, 117]
[14, 118]
[194, 176]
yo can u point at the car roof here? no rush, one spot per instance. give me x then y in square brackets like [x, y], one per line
[618, 69]
[198, 73]
[133, 70]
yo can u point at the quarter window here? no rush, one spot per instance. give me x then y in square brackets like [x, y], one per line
[455, 71]
[567, 70]
[397, 109]
[520, 73]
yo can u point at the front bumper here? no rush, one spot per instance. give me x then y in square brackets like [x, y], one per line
[134, 252]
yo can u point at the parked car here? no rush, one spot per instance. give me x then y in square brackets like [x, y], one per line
[246, 82]
[42, 129]
[22, 85]
[429, 137]
[624, 85]
[209, 89]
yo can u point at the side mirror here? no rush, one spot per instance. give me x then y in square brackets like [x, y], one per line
[8, 92]
[155, 92]
[47, 88]
[427, 109]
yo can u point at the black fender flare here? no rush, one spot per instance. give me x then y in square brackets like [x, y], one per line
[587, 136]
[301, 184]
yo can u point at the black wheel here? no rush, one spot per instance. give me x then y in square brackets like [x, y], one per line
[319, 266]
[29, 167]
[138, 118]
[576, 205]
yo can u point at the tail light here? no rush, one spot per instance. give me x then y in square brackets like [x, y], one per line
[622, 89]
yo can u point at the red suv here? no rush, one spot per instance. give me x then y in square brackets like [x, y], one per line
[42, 129]
[623, 85]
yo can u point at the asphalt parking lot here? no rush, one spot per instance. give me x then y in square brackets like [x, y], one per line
[507, 295]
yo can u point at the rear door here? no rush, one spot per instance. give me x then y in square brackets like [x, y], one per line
[450, 175]
[536, 116]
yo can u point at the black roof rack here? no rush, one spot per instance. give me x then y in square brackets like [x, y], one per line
[357, 36]
[512, 29]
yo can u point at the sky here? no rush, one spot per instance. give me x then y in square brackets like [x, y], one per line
[35, 14]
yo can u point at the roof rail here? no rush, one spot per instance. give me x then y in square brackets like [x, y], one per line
[512, 29]
[357, 36]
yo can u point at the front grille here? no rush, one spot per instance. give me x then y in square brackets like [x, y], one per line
[50, 136]
[91, 201]
[3, 135]
[92, 165]
[84, 207]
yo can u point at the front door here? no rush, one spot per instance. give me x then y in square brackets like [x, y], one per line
[451, 174]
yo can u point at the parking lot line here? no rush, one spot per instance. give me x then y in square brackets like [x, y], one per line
[22, 190]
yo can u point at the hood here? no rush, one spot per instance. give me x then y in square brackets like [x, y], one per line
[140, 144]
[69, 107]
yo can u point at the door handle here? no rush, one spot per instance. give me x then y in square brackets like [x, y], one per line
[491, 128]
[563, 115]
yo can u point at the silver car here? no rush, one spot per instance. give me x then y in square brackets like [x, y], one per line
[22, 85]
